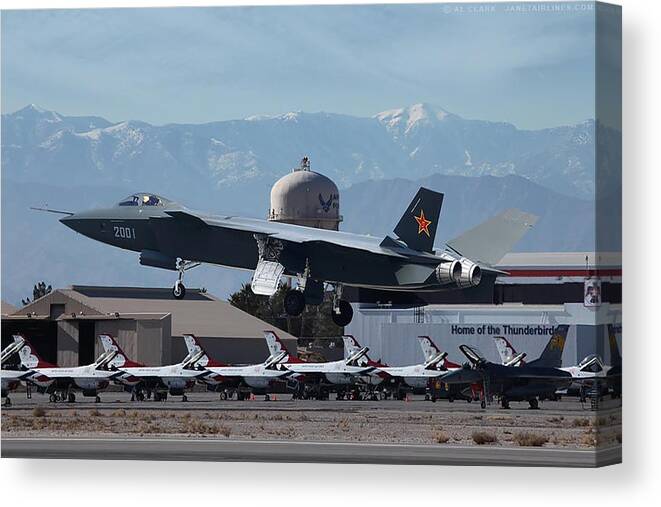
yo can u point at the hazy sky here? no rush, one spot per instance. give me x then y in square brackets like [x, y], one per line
[190, 65]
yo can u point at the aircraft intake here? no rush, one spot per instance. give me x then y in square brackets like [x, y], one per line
[471, 274]
[449, 271]
[157, 260]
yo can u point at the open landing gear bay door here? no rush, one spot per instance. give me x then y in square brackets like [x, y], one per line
[266, 277]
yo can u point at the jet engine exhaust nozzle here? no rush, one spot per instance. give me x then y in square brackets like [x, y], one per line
[471, 274]
[448, 272]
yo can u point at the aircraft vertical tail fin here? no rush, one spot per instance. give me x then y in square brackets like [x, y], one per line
[552, 354]
[616, 358]
[28, 355]
[507, 353]
[429, 348]
[120, 360]
[418, 225]
[195, 350]
[276, 347]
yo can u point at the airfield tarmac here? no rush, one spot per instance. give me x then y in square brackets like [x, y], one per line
[563, 433]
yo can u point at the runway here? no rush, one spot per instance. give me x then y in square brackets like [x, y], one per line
[306, 452]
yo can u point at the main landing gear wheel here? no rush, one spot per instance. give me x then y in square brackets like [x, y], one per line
[294, 302]
[534, 404]
[504, 403]
[97, 399]
[179, 291]
[71, 398]
[343, 316]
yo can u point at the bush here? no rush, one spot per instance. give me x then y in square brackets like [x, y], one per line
[581, 422]
[527, 439]
[482, 437]
[38, 412]
[442, 438]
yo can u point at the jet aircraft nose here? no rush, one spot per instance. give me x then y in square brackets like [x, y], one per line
[72, 222]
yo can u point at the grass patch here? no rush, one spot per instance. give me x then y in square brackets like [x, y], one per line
[527, 439]
[483, 437]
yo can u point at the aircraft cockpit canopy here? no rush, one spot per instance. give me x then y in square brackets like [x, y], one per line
[143, 200]
[591, 363]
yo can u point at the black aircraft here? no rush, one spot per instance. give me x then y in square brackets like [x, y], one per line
[170, 236]
[528, 382]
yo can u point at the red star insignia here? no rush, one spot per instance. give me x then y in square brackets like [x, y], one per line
[423, 223]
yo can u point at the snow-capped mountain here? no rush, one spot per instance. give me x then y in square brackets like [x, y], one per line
[413, 142]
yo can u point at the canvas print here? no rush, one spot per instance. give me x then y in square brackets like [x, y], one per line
[357, 234]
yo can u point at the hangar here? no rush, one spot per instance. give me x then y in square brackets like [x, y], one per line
[147, 322]
[542, 291]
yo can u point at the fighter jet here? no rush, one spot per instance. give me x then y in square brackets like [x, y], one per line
[61, 382]
[418, 376]
[11, 376]
[170, 236]
[538, 378]
[317, 380]
[253, 378]
[143, 380]
[586, 375]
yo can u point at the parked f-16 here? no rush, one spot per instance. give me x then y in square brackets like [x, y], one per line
[586, 374]
[527, 382]
[142, 380]
[12, 377]
[62, 382]
[256, 378]
[318, 379]
[170, 236]
[418, 376]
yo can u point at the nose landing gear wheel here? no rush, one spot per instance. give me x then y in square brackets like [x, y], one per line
[534, 404]
[97, 400]
[294, 302]
[179, 291]
[345, 314]
[71, 398]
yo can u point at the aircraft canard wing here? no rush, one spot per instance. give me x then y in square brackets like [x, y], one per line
[489, 241]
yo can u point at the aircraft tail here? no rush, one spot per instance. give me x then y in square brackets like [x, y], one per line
[120, 360]
[195, 349]
[429, 348]
[418, 225]
[276, 347]
[488, 242]
[28, 355]
[616, 358]
[552, 354]
[352, 349]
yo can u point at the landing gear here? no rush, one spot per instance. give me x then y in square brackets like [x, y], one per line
[223, 395]
[294, 302]
[7, 402]
[267, 397]
[71, 398]
[179, 290]
[97, 399]
[52, 398]
[505, 404]
[534, 404]
[184, 398]
[483, 403]
[343, 314]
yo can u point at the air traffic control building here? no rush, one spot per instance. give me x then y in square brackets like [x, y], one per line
[543, 290]
[147, 322]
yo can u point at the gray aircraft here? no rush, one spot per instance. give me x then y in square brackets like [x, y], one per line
[527, 382]
[170, 236]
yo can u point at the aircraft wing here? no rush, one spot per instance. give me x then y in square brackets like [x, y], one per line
[292, 233]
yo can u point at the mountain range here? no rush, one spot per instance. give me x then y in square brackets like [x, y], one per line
[74, 163]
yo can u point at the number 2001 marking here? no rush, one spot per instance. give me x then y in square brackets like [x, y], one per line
[124, 232]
